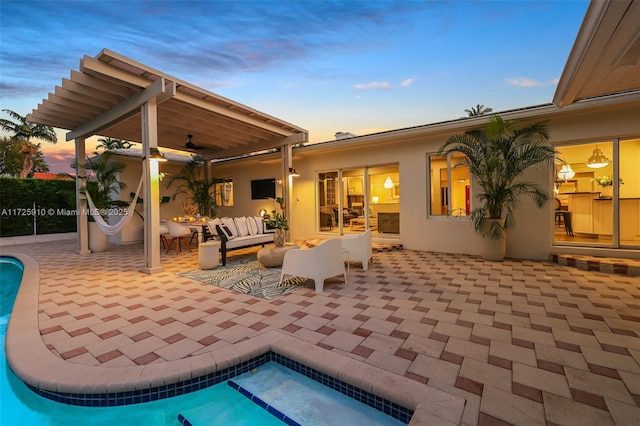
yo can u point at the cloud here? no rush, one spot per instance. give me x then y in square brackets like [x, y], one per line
[374, 85]
[407, 82]
[527, 82]
[382, 85]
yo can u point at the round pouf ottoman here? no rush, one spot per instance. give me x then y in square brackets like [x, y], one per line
[209, 254]
[272, 256]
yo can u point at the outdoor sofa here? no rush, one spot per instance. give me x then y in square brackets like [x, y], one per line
[237, 233]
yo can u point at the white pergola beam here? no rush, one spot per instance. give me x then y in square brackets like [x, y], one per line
[127, 108]
[233, 115]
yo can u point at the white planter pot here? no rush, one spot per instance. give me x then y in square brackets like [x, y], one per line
[98, 240]
[494, 250]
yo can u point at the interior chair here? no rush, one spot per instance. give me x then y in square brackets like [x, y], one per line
[359, 248]
[164, 231]
[318, 263]
[178, 233]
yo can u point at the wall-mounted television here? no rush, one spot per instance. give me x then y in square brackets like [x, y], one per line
[263, 188]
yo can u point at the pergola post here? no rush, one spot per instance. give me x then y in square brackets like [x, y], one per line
[287, 190]
[150, 169]
[81, 200]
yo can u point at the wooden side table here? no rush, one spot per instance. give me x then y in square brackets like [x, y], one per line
[273, 256]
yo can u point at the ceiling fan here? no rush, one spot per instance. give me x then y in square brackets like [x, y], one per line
[192, 146]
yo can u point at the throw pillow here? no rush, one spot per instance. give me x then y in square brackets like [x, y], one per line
[212, 226]
[253, 227]
[259, 224]
[227, 232]
[231, 224]
[241, 226]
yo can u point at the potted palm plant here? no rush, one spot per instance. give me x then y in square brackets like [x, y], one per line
[497, 156]
[101, 184]
[200, 193]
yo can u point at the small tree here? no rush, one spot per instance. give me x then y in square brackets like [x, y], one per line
[497, 156]
[24, 130]
[199, 191]
[102, 181]
[12, 158]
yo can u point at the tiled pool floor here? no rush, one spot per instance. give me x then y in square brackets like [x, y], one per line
[523, 342]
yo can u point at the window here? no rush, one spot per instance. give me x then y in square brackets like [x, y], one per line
[449, 186]
[224, 192]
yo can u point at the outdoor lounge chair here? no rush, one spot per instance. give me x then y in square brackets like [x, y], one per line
[318, 263]
[359, 248]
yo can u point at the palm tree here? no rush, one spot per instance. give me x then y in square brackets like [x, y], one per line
[478, 110]
[102, 181]
[198, 190]
[497, 156]
[24, 130]
[110, 144]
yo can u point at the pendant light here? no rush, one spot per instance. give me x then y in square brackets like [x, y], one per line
[566, 172]
[597, 159]
[388, 183]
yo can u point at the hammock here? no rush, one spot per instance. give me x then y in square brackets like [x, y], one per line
[114, 229]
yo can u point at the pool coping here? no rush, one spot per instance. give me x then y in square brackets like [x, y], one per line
[36, 365]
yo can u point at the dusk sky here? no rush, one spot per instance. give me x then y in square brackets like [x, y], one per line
[350, 66]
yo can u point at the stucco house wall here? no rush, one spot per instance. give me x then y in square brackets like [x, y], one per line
[408, 148]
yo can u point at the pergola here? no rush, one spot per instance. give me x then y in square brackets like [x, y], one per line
[114, 96]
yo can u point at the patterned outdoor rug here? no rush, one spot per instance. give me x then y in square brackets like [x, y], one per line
[248, 277]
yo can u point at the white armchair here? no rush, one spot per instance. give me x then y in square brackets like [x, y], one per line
[359, 248]
[318, 263]
[178, 233]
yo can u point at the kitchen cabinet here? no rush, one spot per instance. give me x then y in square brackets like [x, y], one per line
[581, 208]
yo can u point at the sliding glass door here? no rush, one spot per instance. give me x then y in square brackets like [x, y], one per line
[597, 194]
[354, 200]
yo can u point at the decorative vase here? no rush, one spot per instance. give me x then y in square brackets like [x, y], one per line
[606, 192]
[278, 237]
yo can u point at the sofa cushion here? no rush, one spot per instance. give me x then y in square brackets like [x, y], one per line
[241, 226]
[212, 226]
[248, 240]
[231, 224]
[259, 224]
[253, 227]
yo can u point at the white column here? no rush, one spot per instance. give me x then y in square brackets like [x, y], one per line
[81, 200]
[150, 170]
[287, 181]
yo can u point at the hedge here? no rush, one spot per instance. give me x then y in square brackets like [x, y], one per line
[55, 206]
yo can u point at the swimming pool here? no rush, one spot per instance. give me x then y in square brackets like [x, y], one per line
[21, 406]
[214, 405]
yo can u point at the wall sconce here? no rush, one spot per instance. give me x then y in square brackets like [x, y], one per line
[292, 172]
[597, 159]
[155, 155]
[566, 172]
[262, 212]
[388, 183]
[375, 199]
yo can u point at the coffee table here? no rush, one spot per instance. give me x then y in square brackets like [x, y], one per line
[273, 256]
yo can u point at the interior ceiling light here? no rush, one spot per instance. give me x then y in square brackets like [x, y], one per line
[566, 172]
[388, 183]
[597, 159]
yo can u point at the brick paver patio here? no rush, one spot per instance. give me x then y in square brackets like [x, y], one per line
[524, 342]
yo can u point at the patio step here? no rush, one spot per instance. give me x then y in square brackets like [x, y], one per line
[620, 266]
